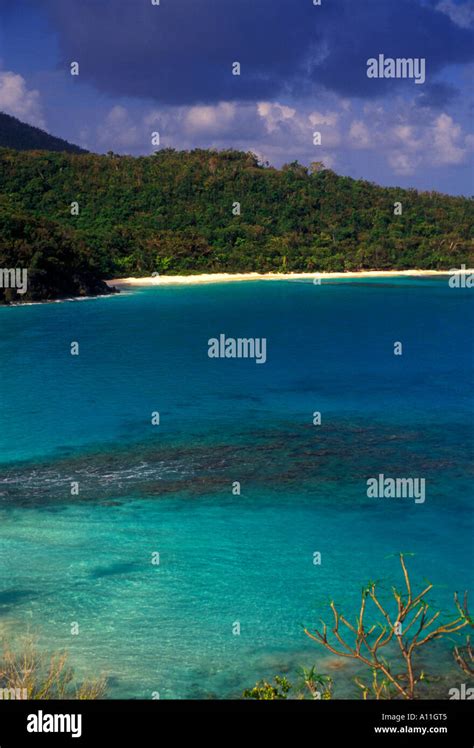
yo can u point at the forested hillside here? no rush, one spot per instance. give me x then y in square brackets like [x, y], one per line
[175, 212]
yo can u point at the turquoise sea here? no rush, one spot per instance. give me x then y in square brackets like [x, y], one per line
[230, 561]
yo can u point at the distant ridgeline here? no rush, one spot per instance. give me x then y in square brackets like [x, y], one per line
[75, 219]
[23, 137]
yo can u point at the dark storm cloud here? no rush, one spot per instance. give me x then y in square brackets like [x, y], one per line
[396, 28]
[181, 51]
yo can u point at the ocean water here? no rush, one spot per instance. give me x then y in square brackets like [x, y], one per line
[230, 562]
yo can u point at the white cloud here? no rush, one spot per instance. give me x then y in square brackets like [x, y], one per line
[462, 15]
[210, 119]
[17, 100]
[119, 131]
[404, 163]
[407, 138]
[324, 118]
[409, 142]
[440, 143]
[359, 134]
[274, 114]
[327, 124]
[448, 141]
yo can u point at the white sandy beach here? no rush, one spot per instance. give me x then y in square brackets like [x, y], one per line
[167, 280]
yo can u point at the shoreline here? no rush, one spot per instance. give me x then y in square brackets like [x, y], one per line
[168, 280]
[209, 278]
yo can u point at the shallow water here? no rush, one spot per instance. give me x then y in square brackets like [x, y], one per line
[228, 558]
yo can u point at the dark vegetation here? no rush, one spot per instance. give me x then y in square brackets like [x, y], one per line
[23, 137]
[172, 212]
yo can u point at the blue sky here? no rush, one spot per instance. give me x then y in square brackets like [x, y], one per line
[168, 69]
